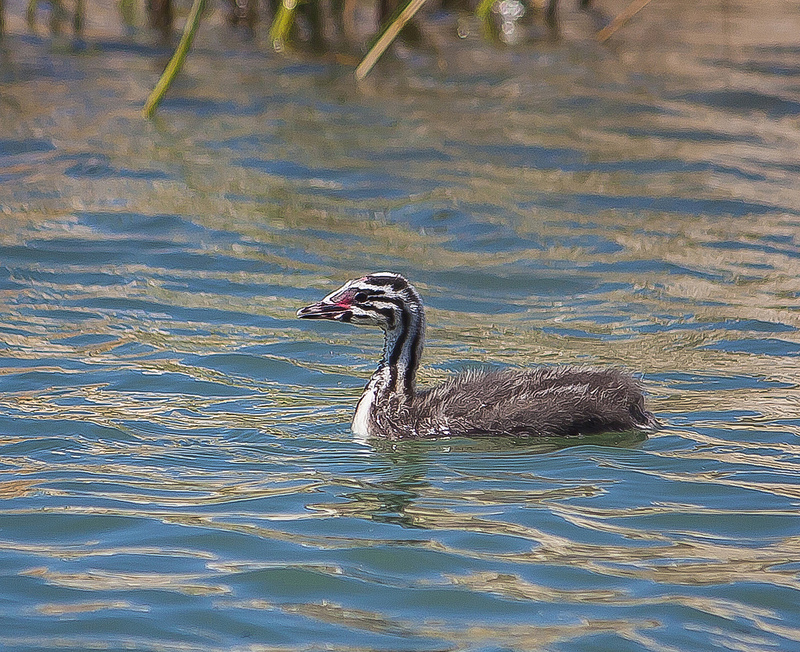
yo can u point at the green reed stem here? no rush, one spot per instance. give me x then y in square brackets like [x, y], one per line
[385, 39]
[176, 63]
[620, 19]
[30, 14]
[483, 9]
[127, 9]
[78, 17]
[282, 23]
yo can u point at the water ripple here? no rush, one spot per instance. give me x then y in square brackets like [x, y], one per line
[176, 467]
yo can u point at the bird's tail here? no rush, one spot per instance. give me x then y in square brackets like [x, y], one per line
[644, 419]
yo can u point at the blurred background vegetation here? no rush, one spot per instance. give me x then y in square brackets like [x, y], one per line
[322, 25]
[346, 27]
[353, 31]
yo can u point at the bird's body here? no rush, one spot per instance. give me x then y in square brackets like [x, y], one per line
[543, 401]
[546, 401]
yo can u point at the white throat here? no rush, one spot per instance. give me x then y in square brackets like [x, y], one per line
[377, 386]
[360, 425]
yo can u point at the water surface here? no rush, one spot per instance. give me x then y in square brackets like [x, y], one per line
[177, 471]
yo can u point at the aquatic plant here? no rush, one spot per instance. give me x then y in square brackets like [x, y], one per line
[500, 19]
[389, 34]
[58, 15]
[176, 62]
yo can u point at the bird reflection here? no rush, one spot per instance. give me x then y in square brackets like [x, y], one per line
[407, 465]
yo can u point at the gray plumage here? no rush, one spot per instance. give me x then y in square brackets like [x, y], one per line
[544, 401]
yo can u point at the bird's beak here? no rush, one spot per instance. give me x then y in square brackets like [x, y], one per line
[322, 310]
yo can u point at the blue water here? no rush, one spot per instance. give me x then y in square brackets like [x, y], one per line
[176, 466]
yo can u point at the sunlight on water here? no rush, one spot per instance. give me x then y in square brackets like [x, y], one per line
[176, 466]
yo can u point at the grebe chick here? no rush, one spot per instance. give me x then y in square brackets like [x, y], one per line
[544, 401]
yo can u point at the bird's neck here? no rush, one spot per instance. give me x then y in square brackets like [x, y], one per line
[392, 386]
[402, 350]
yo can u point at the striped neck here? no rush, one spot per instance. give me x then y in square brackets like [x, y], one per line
[391, 387]
[402, 350]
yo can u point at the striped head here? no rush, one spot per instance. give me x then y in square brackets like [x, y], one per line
[381, 299]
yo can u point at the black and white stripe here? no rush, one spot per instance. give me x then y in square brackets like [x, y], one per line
[388, 300]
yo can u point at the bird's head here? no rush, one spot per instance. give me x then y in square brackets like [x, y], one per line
[382, 299]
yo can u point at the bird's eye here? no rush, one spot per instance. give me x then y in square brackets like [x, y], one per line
[361, 297]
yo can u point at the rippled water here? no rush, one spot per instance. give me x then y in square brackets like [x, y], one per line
[177, 467]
